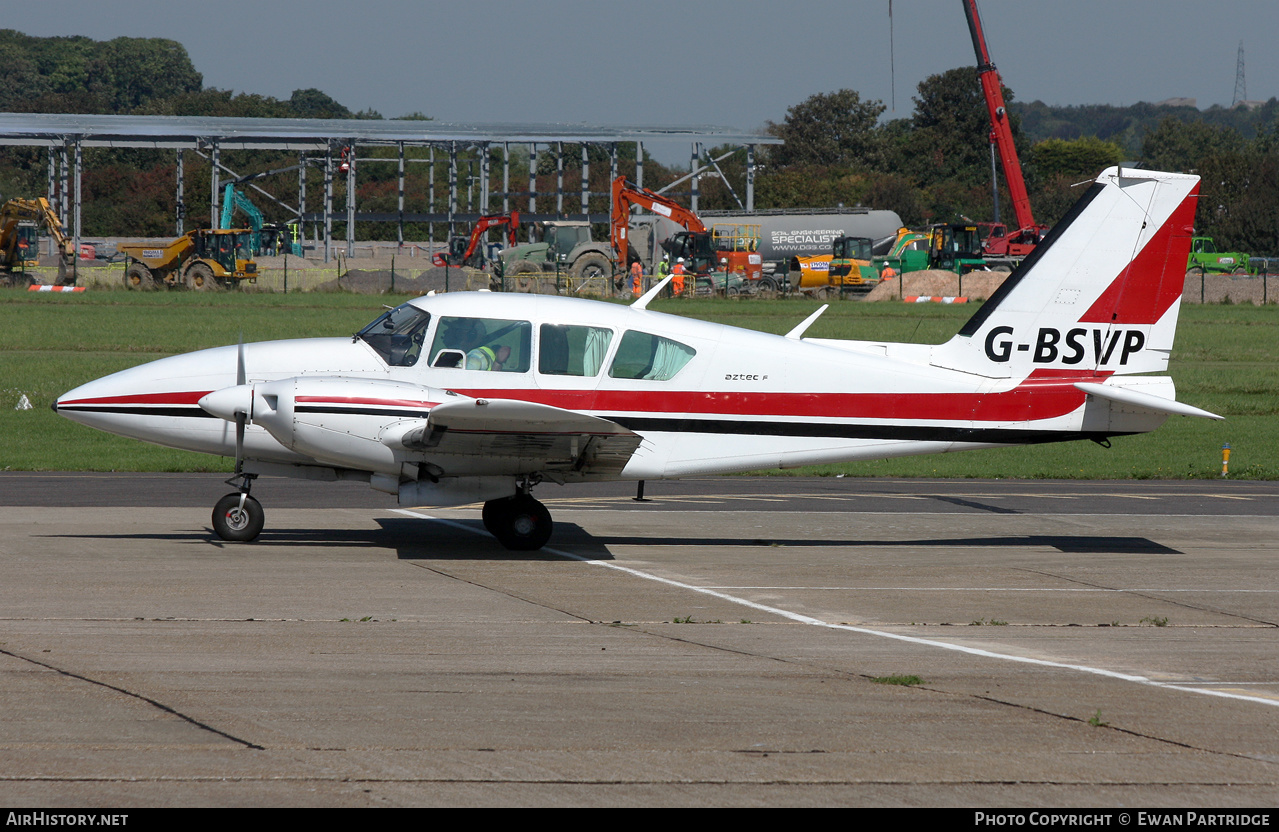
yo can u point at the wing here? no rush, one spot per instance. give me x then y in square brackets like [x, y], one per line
[504, 436]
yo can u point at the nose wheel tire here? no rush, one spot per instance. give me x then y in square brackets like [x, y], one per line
[238, 523]
[519, 523]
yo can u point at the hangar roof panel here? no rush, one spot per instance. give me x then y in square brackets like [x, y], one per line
[315, 134]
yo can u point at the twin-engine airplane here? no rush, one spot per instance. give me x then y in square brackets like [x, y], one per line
[473, 397]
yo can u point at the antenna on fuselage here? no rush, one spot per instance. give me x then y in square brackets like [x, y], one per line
[651, 293]
[798, 331]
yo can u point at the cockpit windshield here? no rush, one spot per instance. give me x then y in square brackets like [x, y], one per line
[397, 334]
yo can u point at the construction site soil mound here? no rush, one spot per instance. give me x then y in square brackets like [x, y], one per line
[381, 281]
[938, 283]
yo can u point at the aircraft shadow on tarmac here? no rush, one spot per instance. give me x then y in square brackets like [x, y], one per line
[1063, 543]
[419, 539]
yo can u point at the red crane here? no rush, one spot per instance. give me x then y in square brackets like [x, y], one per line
[1021, 241]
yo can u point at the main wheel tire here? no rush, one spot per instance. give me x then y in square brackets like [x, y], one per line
[521, 523]
[199, 278]
[491, 512]
[522, 276]
[231, 522]
[591, 266]
[138, 276]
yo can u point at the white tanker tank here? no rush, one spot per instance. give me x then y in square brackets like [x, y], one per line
[797, 232]
[784, 233]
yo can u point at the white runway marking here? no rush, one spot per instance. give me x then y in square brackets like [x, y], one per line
[923, 642]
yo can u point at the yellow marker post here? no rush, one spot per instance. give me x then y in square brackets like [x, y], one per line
[1225, 459]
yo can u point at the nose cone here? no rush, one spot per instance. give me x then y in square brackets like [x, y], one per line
[230, 402]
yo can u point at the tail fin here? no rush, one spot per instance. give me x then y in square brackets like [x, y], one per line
[1099, 295]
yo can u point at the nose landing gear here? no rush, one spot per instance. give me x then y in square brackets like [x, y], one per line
[239, 517]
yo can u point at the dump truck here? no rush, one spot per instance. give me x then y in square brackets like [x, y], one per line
[848, 268]
[202, 260]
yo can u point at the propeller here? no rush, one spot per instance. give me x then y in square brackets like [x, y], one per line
[241, 417]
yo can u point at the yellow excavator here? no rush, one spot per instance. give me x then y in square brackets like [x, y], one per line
[202, 260]
[20, 222]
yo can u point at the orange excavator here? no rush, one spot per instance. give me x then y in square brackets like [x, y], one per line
[729, 248]
[466, 252]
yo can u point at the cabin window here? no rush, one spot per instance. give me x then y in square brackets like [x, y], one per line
[644, 356]
[397, 335]
[483, 344]
[572, 350]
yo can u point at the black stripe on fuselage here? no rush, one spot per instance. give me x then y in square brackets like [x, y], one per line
[136, 410]
[361, 411]
[818, 430]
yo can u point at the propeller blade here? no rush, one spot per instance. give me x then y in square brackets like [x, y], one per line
[240, 419]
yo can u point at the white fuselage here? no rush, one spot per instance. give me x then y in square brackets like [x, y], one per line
[745, 400]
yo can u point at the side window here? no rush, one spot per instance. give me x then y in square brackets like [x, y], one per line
[572, 350]
[644, 356]
[483, 344]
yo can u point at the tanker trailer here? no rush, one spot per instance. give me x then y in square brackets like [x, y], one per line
[786, 234]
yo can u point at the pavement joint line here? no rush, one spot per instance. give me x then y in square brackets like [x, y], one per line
[817, 622]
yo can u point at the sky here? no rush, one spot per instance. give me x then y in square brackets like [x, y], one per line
[734, 63]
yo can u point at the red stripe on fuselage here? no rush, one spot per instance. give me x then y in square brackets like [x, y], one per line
[1045, 394]
[170, 399]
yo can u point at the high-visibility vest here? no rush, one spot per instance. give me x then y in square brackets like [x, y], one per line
[481, 358]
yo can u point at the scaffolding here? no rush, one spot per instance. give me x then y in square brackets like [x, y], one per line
[334, 146]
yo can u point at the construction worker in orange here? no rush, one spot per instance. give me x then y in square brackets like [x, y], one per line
[637, 279]
[677, 278]
[888, 273]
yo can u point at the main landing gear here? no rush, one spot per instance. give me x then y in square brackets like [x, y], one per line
[239, 517]
[519, 523]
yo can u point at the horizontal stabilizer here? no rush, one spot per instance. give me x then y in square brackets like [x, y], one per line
[1146, 401]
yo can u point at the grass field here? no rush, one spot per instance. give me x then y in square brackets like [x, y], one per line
[1225, 362]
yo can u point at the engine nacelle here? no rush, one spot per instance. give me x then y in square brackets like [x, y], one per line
[335, 420]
